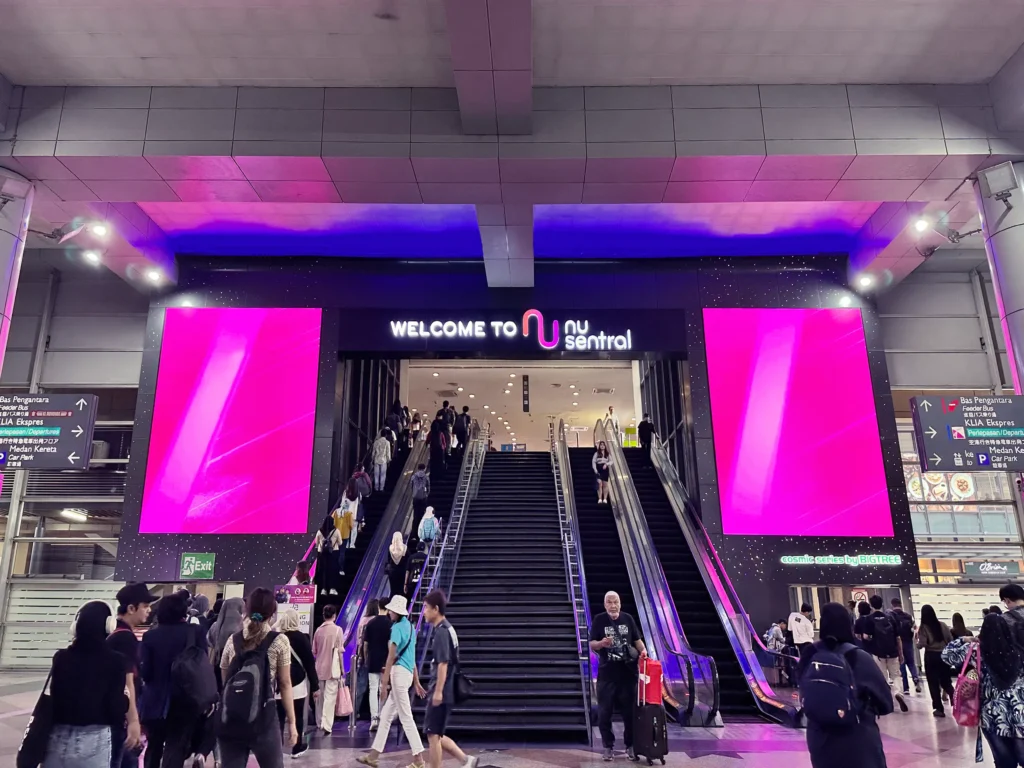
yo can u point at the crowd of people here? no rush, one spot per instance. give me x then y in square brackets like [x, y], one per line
[874, 650]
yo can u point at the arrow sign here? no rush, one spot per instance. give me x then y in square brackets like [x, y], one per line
[937, 459]
[926, 405]
[73, 457]
[931, 432]
[78, 431]
[81, 403]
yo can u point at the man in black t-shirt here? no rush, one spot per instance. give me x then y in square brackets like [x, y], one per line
[376, 636]
[615, 638]
[133, 601]
[414, 569]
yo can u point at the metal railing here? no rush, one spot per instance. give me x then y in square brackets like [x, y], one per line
[575, 578]
[697, 701]
[753, 655]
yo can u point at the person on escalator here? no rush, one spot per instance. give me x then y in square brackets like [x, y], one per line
[363, 482]
[646, 432]
[396, 564]
[463, 422]
[415, 565]
[438, 446]
[420, 491]
[330, 561]
[616, 640]
[381, 459]
[348, 515]
[601, 464]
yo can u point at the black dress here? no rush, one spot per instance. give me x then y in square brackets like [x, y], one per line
[396, 573]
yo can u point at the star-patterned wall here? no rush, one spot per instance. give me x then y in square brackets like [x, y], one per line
[354, 291]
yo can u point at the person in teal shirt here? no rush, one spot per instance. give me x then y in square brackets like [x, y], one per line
[400, 674]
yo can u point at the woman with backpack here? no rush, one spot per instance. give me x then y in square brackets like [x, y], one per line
[1002, 687]
[256, 662]
[303, 675]
[932, 637]
[842, 731]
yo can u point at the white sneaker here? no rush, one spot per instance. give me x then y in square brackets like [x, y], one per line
[471, 761]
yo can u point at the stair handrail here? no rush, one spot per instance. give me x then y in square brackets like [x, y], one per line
[571, 549]
[717, 580]
[663, 627]
[395, 516]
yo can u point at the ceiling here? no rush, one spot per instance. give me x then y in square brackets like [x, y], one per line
[551, 395]
[575, 42]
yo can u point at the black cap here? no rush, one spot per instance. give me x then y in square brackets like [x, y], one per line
[132, 594]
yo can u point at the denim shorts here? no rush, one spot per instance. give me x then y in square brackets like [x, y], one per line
[78, 746]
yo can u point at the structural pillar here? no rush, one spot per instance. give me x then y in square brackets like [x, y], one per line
[1003, 229]
[16, 195]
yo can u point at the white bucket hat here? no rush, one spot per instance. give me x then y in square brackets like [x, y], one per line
[398, 605]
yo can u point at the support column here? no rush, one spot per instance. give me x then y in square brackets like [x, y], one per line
[1004, 243]
[16, 195]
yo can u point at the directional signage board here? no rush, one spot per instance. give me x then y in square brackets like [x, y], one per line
[40, 431]
[969, 433]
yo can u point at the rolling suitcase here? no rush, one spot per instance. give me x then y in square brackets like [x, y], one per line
[650, 724]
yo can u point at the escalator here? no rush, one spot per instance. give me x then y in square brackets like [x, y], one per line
[693, 602]
[600, 546]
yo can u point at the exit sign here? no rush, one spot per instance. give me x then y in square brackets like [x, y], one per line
[197, 565]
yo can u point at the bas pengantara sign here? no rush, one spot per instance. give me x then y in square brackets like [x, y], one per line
[976, 433]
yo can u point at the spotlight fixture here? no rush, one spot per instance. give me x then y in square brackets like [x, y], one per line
[865, 281]
[922, 225]
[92, 257]
[75, 515]
[154, 275]
[999, 181]
[845, 301]
[99, 228]
[186, 303]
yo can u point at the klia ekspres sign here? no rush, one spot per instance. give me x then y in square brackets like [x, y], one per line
[578, 335]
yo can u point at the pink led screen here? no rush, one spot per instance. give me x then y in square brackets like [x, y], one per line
[231, 448]
[796, 436]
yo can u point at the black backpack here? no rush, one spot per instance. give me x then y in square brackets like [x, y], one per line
[192, 674]
[905, 624]
[828, 690]
[1015, 618]
[883, 638]
[247, 704]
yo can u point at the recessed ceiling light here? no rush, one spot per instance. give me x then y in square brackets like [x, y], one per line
[512, 433]
[92, 257]
[572, 386]
[486, 407]
[845, 301]
[154, 275]
[865, 281]
[436, 374]
[472, 395]
[507, 391]
[511, 375]
[921, 225]
[459, 389]
[575, 403]
[99, 229]
[186, 303]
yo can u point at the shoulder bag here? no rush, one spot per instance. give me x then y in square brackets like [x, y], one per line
[37, 735]
[967, 693]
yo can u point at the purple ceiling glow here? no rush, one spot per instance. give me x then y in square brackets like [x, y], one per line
[697, 229]
[319, 229]
[560, 231]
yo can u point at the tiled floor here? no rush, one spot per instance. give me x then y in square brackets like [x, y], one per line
[913, 740]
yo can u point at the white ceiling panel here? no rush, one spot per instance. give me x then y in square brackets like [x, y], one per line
[640, 42]
[225, 42]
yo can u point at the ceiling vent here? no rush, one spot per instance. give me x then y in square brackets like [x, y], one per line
[447, 394]
[604, 390]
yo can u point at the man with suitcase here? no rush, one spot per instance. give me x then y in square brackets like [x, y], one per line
[615, 638]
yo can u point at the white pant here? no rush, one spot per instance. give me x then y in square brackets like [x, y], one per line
[398, 704]
[380, 476]
[374, 694]
[328, 703]
[890, 670]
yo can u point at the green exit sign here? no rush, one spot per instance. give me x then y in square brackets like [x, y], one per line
[197, 565]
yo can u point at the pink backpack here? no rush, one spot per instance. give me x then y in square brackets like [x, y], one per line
[967, 695]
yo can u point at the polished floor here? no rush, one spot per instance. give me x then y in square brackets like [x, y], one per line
[912, 740]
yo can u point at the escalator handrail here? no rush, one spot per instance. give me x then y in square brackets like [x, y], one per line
[399, 507]
[713, 570]
[560, 463]
[640, 547]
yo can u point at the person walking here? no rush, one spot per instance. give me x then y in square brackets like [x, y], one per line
[441, 696]
[395, 421]
[801, 626]
[601, 464]
[87, 692]
[429, 527]
[229, 621]
[133, 605]
[364, 485]
[374, 648]
[171, 720]
[959, 628]
[396, 564]
[857, 744]
[381, 455]
[257, 644]
[882, 642]
[932, 637]
[646, 432]
[348, 514]
[463, 424]
[439, 443]
[400, 675]
[616, 640]
[420, 491]
[302, 671]
[328, 641]
[612, 420]
[1002, 687]
[905, 630]
[415, 564]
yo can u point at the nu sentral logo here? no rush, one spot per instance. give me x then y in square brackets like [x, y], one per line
[197, 565]
[852, 560]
